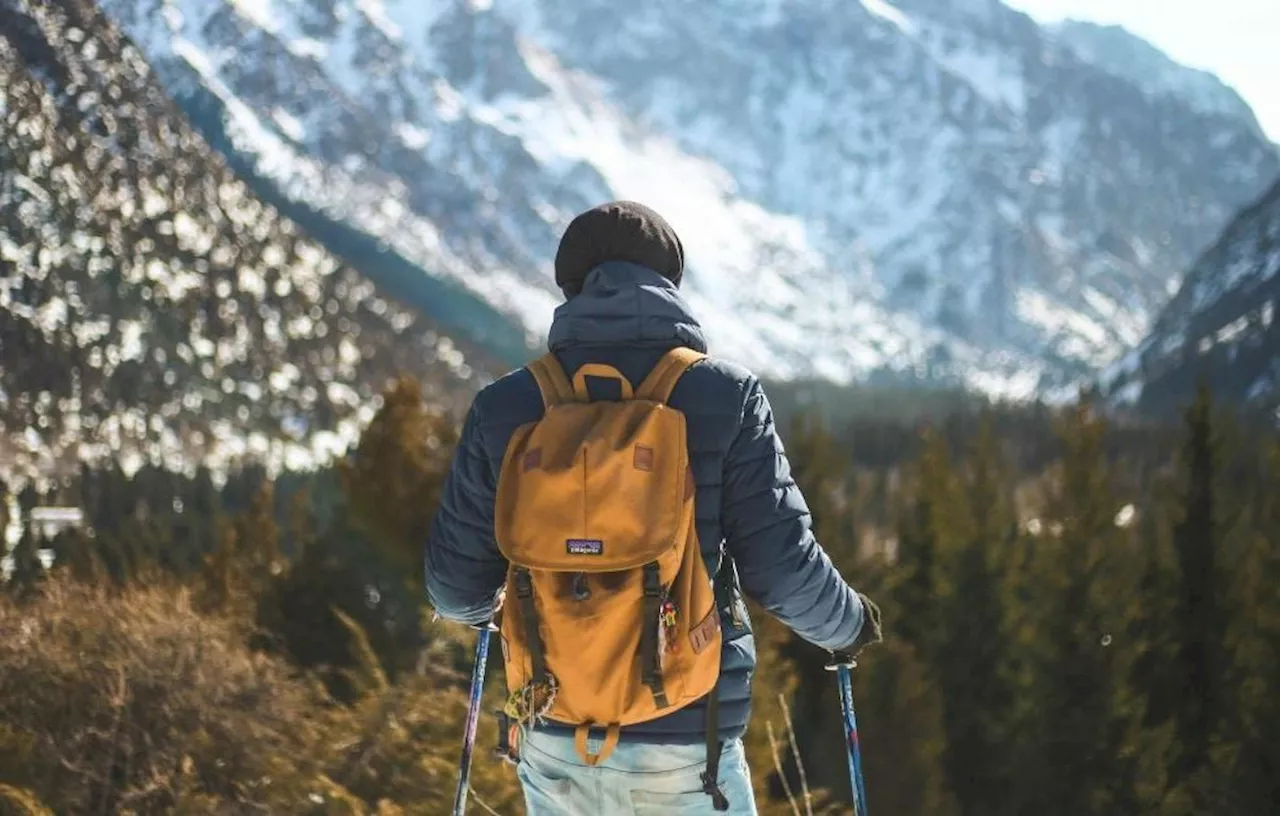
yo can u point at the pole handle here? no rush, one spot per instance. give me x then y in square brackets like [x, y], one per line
[841, 660]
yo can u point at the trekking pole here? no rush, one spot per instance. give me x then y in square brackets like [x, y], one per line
[843, 664]
[473, 719]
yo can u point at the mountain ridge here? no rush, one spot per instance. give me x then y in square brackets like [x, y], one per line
[1117, 50]
[975, 203]
[154, 310]
[1220, 329]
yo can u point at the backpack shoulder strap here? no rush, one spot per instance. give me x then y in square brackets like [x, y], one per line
[662, 380]
[551, 379]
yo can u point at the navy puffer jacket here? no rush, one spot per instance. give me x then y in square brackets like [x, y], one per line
[748, 506]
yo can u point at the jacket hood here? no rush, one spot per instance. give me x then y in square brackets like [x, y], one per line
[624, 304]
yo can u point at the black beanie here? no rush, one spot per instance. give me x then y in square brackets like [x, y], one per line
[617, 231]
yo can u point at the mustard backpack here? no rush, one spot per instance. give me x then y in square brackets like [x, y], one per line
[609, 616]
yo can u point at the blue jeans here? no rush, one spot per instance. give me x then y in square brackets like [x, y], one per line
[637, 779]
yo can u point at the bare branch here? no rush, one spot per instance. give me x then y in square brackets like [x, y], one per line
[481, 802]
[795, 752]
[777, 764]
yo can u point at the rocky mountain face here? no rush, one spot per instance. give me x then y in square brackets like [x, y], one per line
[1221, 327]
[923, 189]
[1133, 59]
[150, 304]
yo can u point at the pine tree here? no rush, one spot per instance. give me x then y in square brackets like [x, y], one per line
[900, 720]
[393, 480]
[258, 537]
[1252, 643]
[1147, 642]
[27, 568]
[218, 577]
[933, 520]
[971, 660]
[74, 553]
[1197, 610]
[1071, 736]
[4, 516]
[822, 470]
[302, 531]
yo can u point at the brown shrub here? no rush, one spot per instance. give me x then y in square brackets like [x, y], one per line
[133, 702]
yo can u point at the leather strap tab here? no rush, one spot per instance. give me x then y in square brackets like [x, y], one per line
[599, 371]
[611, 735]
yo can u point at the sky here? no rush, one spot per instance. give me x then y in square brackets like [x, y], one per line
[1239, 40]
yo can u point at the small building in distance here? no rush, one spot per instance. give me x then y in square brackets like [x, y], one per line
[47, 522]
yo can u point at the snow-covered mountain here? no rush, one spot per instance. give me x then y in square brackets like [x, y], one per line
[927, 189]
[1221, 327]
[150, 306]
[1129, 57]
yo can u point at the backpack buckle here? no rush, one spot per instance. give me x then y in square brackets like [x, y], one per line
[524, 584]
[581, 589]
[652, 580]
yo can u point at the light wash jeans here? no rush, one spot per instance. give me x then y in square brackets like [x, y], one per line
[637, 779]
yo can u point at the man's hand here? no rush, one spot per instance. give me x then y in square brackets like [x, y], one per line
[869, 635]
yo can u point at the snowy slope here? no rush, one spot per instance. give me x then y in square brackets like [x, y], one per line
[928, 190]
[151, 308]
[1117, 51]
[1221, 327]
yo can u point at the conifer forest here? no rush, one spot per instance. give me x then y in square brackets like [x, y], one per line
[1080, 616]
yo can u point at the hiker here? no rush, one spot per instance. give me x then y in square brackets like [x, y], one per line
[625, 334]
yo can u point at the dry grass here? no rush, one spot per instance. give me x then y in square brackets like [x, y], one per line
[134, 702]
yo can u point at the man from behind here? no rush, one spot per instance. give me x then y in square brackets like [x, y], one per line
[620, 267]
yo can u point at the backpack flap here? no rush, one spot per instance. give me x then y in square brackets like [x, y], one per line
[594, 487]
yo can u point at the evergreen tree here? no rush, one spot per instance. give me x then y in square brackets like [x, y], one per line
[27, 568]
[1147, 641]
[1071, 736]
[934, 520]
[258, 538]
[393, 480]
[302, 530]
[1198, 617]
[28, 500]
[823, 471]
[900, 724]
[218, 576]
[74, 553]
[4, 516]
[971, 659]
[1252, 643]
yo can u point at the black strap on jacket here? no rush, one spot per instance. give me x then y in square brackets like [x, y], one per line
[533, 640]
[711, 777]
[650, 660]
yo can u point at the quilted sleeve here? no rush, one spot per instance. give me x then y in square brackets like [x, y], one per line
[768, 533]
[464, 568]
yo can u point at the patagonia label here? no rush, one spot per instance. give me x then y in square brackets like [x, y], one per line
[584, 546]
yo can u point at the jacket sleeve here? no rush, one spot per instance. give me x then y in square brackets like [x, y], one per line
[464, 568]
[768, 534]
